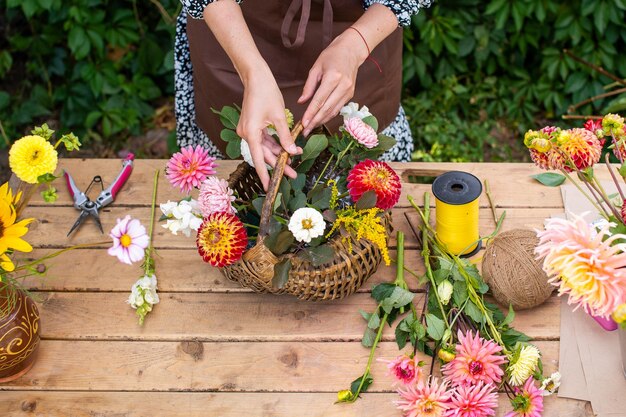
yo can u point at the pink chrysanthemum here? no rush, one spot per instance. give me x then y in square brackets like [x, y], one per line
[586, 263]
[528, 402]
[215, 196]
[424, 400]
[476, 360]
[375, 176]
[129, 240]
[189, 167]
[478, 400]
[580, 147]
[361, 132]
[405, 369]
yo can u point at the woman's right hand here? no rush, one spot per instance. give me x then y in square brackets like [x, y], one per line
[263, 105]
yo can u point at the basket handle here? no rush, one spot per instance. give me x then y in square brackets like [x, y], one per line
[272, 190]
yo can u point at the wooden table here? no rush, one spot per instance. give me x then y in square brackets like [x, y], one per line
[212, 348]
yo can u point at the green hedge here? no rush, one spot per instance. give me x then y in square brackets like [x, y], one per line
[476, 72]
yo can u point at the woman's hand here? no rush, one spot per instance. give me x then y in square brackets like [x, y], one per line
[335, 72]
[263, 105]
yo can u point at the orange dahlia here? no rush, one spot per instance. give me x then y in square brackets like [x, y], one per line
[375, 176]
[221, 239]
[581, 146]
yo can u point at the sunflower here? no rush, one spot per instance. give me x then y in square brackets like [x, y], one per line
[6, 194]
[10, 235]
[32, 157]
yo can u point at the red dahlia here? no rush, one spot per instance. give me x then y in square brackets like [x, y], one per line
[377, 176]
[221, 239]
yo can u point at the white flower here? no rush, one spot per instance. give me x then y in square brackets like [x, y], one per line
[247, 156]
[444, 290]
[522, 367]
[143, 293]
[551, 384]
[352, 110]
[183, 216]
[151, 297]
[306, 224]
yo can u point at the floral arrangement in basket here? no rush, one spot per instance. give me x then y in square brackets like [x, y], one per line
[338, 200]
[586, 261]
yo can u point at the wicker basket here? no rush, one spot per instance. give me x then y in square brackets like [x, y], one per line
[334, 280]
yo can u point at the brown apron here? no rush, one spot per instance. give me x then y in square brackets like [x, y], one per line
[290, 35]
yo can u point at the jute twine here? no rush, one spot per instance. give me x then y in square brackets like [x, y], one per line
[512, 272]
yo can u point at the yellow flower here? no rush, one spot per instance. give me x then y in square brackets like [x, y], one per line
[289, 116]
[523, 364]
[6, 194]
[6, 264]
[31, 157]
[10, 235]
[619, 315]
[613, 124]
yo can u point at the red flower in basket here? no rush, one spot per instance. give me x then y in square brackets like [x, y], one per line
[222, 239]
[377, 176]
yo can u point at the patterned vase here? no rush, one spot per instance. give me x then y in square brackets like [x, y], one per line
[19, 332]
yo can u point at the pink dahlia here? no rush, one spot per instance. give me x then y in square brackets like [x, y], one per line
[580, 147]
[476, 360]
[189, 167]
[595, 127]
[129, 240]
[587, 264]
[528, 402]
[405, 369]
[361, 132]
[371, 175]
[221, 239]
[424, 400]
[478, 400]
[215, 195]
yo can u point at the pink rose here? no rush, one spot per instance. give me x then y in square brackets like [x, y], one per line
[361, 132]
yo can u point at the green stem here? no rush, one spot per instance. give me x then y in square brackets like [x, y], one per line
[148, 256]
[57, 253]
[252, 226]
[569, 177]
[342, 154]
[605, 197]
[400, 282]
[613, 176]
[323, 171]
[4, 135]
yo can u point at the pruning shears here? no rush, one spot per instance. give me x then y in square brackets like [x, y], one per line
[91, 208]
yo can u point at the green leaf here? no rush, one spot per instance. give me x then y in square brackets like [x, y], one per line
[365, 314]
[280, 242]
[371, 121]
[435, 326]
[354, 387]
[369, 337]
[509, 317]
[5, 99]
[551, 179]
[319, 255]
[374, 322]
[459, 294]
[367, 200]
[233, 149]
[385, 142]
[382, 291]
[298, 183]
[228, 135]
[314, 146]
[281, 273]
[229, 116]
[45, 178]
[474, 312]
[402, 336]
[298, 201]
[257, 203]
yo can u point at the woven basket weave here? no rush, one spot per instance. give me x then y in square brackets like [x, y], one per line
[344, 275]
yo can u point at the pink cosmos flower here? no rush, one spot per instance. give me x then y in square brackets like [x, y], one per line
[476, 360]
[478, 400]
[585, 263]
[361, 132]
[424, 400]
[129, 240]
[528, 402]
[405, 369]
[189, 167]
[215, 196]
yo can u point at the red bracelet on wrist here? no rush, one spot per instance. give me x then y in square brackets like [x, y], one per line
[369, 52]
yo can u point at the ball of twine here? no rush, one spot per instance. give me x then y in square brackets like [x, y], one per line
[512, 272]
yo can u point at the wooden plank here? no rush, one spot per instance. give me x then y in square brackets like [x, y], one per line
[196, 366]
[510, 183]
[235, 317]
[85, 273]
[199, 404]
[52, 224]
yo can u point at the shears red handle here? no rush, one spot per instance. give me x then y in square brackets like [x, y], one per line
[107, 196]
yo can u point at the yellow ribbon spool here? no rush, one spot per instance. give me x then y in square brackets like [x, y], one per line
[457, 210]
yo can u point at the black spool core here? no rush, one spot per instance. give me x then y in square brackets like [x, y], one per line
[457, 187]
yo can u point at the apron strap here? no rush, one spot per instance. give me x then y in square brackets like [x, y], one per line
[305, 14]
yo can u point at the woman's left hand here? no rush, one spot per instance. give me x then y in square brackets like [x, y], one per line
[331, 81]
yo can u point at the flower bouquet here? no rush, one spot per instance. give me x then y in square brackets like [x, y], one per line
[317, 236]
[587, 261]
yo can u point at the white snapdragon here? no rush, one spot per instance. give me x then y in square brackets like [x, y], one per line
[306, 223]
[143, 296]
[183, 216]
[351, 110]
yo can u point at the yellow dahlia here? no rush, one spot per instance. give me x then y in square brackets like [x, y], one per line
[10, 234]
[581, 147]
[31, 157]
[613, 124]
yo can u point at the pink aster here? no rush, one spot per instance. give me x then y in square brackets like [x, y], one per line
[528, 402]
[478, 400]
[361, 132]
[585, 263]
[424, 400]
[476, 360]
[405, 369]
[129, 240]
[215, 196]
[189, 167]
